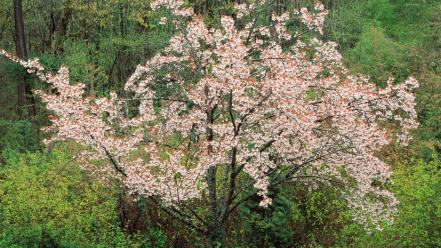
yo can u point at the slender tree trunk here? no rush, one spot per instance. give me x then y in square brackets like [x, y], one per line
[216, 232]
[24, 91]
[20, 41]
[20, 49]
[216, 236]
[216, 228]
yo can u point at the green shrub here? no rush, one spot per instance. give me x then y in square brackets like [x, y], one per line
[378, 56]
[418, 188]
[417, 185]
[46, 200]
[18, 136]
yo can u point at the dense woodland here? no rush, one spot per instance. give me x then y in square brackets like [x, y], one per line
[47, 200]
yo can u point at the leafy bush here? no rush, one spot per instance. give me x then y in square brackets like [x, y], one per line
[302, 215]
[18, 136]
[46, 200]
[418, 223]
[378, 56]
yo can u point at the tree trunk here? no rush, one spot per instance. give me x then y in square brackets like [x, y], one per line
[24, 91]
[20, 49]
[216, 235]
[20, 41]
[216, 228]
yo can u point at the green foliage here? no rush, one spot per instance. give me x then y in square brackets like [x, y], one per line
[429, 110]
[8, 87]
[418, 188]
[82, 59]
[301, 215]
[378, 56]
[17, 136]
[269, 227]
[47, 201]
[383, 38]
[418, 221]
[345, 24]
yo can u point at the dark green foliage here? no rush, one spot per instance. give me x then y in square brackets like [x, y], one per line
[269, 227]
[17, 136]
[378, 56]
[302, 215]
[345, 24]
[8, 87]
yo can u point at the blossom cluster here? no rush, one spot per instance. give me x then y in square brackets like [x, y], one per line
[314, 21]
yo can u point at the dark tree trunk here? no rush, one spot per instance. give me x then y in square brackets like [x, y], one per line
[20, 49]
[130, 214]
[24, 91]
[20, 41]
[216, 230]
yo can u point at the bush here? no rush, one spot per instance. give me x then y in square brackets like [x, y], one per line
[418, 223]
[418, 220]
[18, 136]
[378, 56]
[302, 215]
[46, 200]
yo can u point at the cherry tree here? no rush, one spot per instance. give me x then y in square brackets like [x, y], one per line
[240, 106]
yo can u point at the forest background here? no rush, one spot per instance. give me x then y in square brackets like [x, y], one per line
[46, 200]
